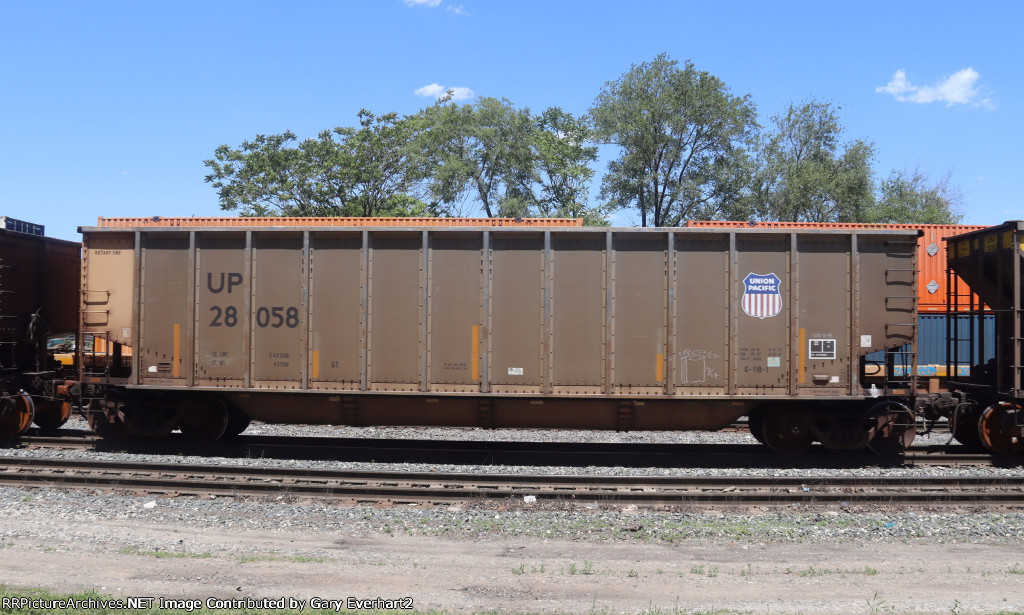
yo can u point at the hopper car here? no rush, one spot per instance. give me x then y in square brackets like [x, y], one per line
[989, 398]
[534, 324]
[555, 327]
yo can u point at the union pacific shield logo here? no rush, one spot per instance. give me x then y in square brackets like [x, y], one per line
[762, 297]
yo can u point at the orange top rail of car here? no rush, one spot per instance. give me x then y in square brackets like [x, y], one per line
[159, 221]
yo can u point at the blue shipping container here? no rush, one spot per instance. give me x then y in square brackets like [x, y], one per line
[932, 349]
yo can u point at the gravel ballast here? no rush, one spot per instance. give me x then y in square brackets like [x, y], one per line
[839, 521]
[512, 556]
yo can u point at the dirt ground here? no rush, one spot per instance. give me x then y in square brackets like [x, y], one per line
[516, 575]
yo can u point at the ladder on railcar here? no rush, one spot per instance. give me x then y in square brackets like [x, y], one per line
[8, 328]
[966, 329]
[901, 361]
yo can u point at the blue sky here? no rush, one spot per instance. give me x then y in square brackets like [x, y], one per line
[110, 108]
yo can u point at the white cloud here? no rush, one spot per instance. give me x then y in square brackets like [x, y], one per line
[458, 10]
[430, 3]
[435, 90]
[960, 88]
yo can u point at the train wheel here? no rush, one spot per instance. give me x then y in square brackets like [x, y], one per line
[16, 413]
[204, 419]
[892, 428]
[238, 422]
[996, 427]
[964, 425]
[52, 413]
[787, 432]
[755, 423]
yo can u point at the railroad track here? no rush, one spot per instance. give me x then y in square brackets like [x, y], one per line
[476, 452]
[444, 488]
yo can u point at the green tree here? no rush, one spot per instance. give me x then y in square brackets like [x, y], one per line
[364, 171]
[803, 176]
[562, 158]
[506, 161]
[682, 137]
[478, 151]
[910, 197]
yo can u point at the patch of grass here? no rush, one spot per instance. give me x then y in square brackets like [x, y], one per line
[701, 569]
[299, 559]
[1015, 569]
[522, 569]
[814, 572]
[811, 571]
[588, 568]
[161, 554]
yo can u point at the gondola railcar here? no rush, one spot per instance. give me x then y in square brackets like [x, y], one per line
[412, 323]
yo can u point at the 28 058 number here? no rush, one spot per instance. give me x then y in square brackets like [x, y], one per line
[274, 317]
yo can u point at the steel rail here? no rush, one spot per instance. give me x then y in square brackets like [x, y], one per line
[401, 487]
[919, 455]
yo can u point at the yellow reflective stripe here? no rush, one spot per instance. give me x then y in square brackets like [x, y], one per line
[801, 375]
[474, 352]
[176, 355]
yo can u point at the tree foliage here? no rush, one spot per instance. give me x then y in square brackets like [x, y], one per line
[506, 161]
[687, 148]
[364, 171]
[910, 197]
[804, 174]
[563, 154]
[682, 139]
[478, 151]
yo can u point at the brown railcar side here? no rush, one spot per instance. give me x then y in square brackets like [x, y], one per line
[547, 327]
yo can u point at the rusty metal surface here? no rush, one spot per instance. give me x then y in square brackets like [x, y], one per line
[161, 222]
[629, 316]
